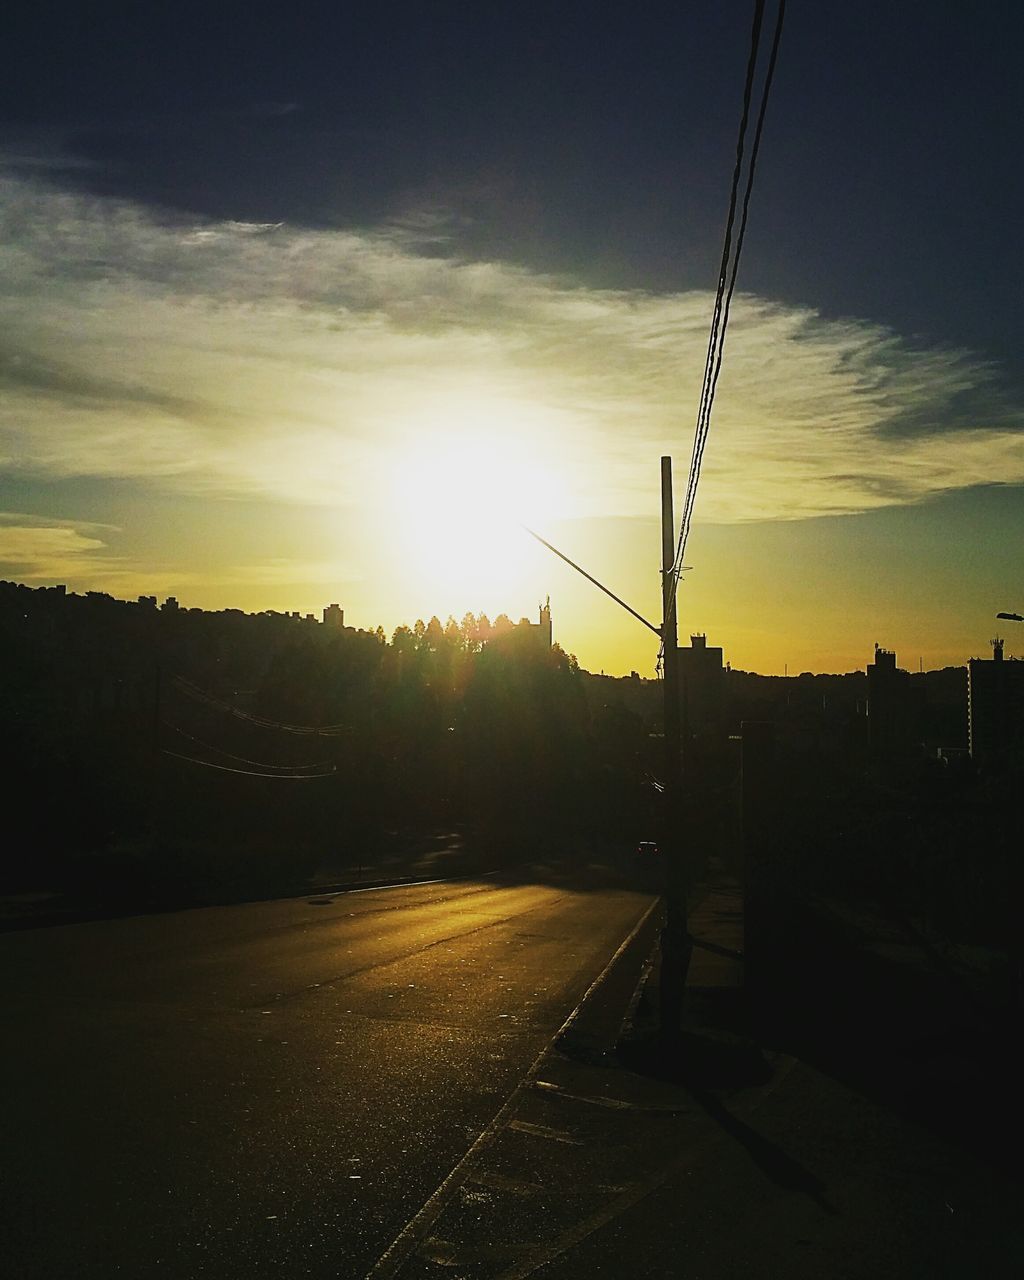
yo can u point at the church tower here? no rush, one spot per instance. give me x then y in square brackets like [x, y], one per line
[545, 622]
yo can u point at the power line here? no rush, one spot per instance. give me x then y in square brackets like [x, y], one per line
[723, 270]
[200, 695]
[726, 278]
[700, 439]
[730, 262]
[590, 578]
[246, 773]
[261, 764]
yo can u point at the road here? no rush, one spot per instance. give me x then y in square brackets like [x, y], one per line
[273, 1089]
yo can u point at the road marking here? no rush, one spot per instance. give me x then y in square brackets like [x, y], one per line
[415, 1230]
[614, 1104]
[447, 1254]
[399, 884]
[542, 1254]
[499, 1182]
[415, 884]
[544, 1131]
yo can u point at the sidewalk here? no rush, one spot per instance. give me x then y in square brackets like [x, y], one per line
[800, 1153]
[753, 1150]
[716, 928]
[715, 979]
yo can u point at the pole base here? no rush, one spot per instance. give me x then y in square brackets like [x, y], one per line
[676, 949]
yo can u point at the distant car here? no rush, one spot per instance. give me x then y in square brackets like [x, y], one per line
[647, 849]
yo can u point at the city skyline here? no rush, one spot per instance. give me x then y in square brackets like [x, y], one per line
[332, 616]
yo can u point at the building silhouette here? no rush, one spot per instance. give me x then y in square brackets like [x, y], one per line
[701, 690]
[995, 708]
[540, 632]
[891, 722]
[544, 626]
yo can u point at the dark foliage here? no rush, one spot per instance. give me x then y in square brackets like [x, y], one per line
[171, 755]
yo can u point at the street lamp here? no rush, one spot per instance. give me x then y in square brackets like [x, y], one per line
[1011, 617]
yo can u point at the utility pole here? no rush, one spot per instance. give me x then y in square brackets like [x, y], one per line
[675, 937]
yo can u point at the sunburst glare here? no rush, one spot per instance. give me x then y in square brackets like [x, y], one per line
[462, 502]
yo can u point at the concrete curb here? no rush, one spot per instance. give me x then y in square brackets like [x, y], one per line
[415, 1231]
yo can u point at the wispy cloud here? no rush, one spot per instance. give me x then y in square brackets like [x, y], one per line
[287, 573]
[31, 548]
[43, 549]
[250, 359]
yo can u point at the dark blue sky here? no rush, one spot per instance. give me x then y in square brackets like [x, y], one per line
[594, 139]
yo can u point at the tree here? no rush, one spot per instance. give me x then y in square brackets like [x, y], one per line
[470, 634]
[403, 641]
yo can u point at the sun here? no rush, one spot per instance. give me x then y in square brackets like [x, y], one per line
[461, 503]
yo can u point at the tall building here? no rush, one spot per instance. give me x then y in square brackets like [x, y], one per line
[890, 718]
[995, 708]
[334, 616]
[701, 689]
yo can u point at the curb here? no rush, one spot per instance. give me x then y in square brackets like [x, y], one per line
[416, 1229]
[602, 1017]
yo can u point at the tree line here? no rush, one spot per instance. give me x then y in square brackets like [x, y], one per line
[212, 754]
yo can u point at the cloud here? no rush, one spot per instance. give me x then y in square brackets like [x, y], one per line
[242, 359]
[40, 150]
[41, 549]
[281, 572]
[31, 548]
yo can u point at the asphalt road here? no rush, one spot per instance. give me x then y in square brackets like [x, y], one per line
[272, 1089]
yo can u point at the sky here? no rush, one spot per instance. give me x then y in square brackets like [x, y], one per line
[323, 303]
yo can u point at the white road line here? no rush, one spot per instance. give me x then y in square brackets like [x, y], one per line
[410, 884]
[542, 1254]
[401, 884]
[415, 1230]
[614, 1104]
[544, 1131]
[499, 1182]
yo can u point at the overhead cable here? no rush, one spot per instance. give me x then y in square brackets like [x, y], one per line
[723, 270]
[260, 764]
[262, 722]
[729, 266]
[246, 773]
[718, 331]
[590, 578]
